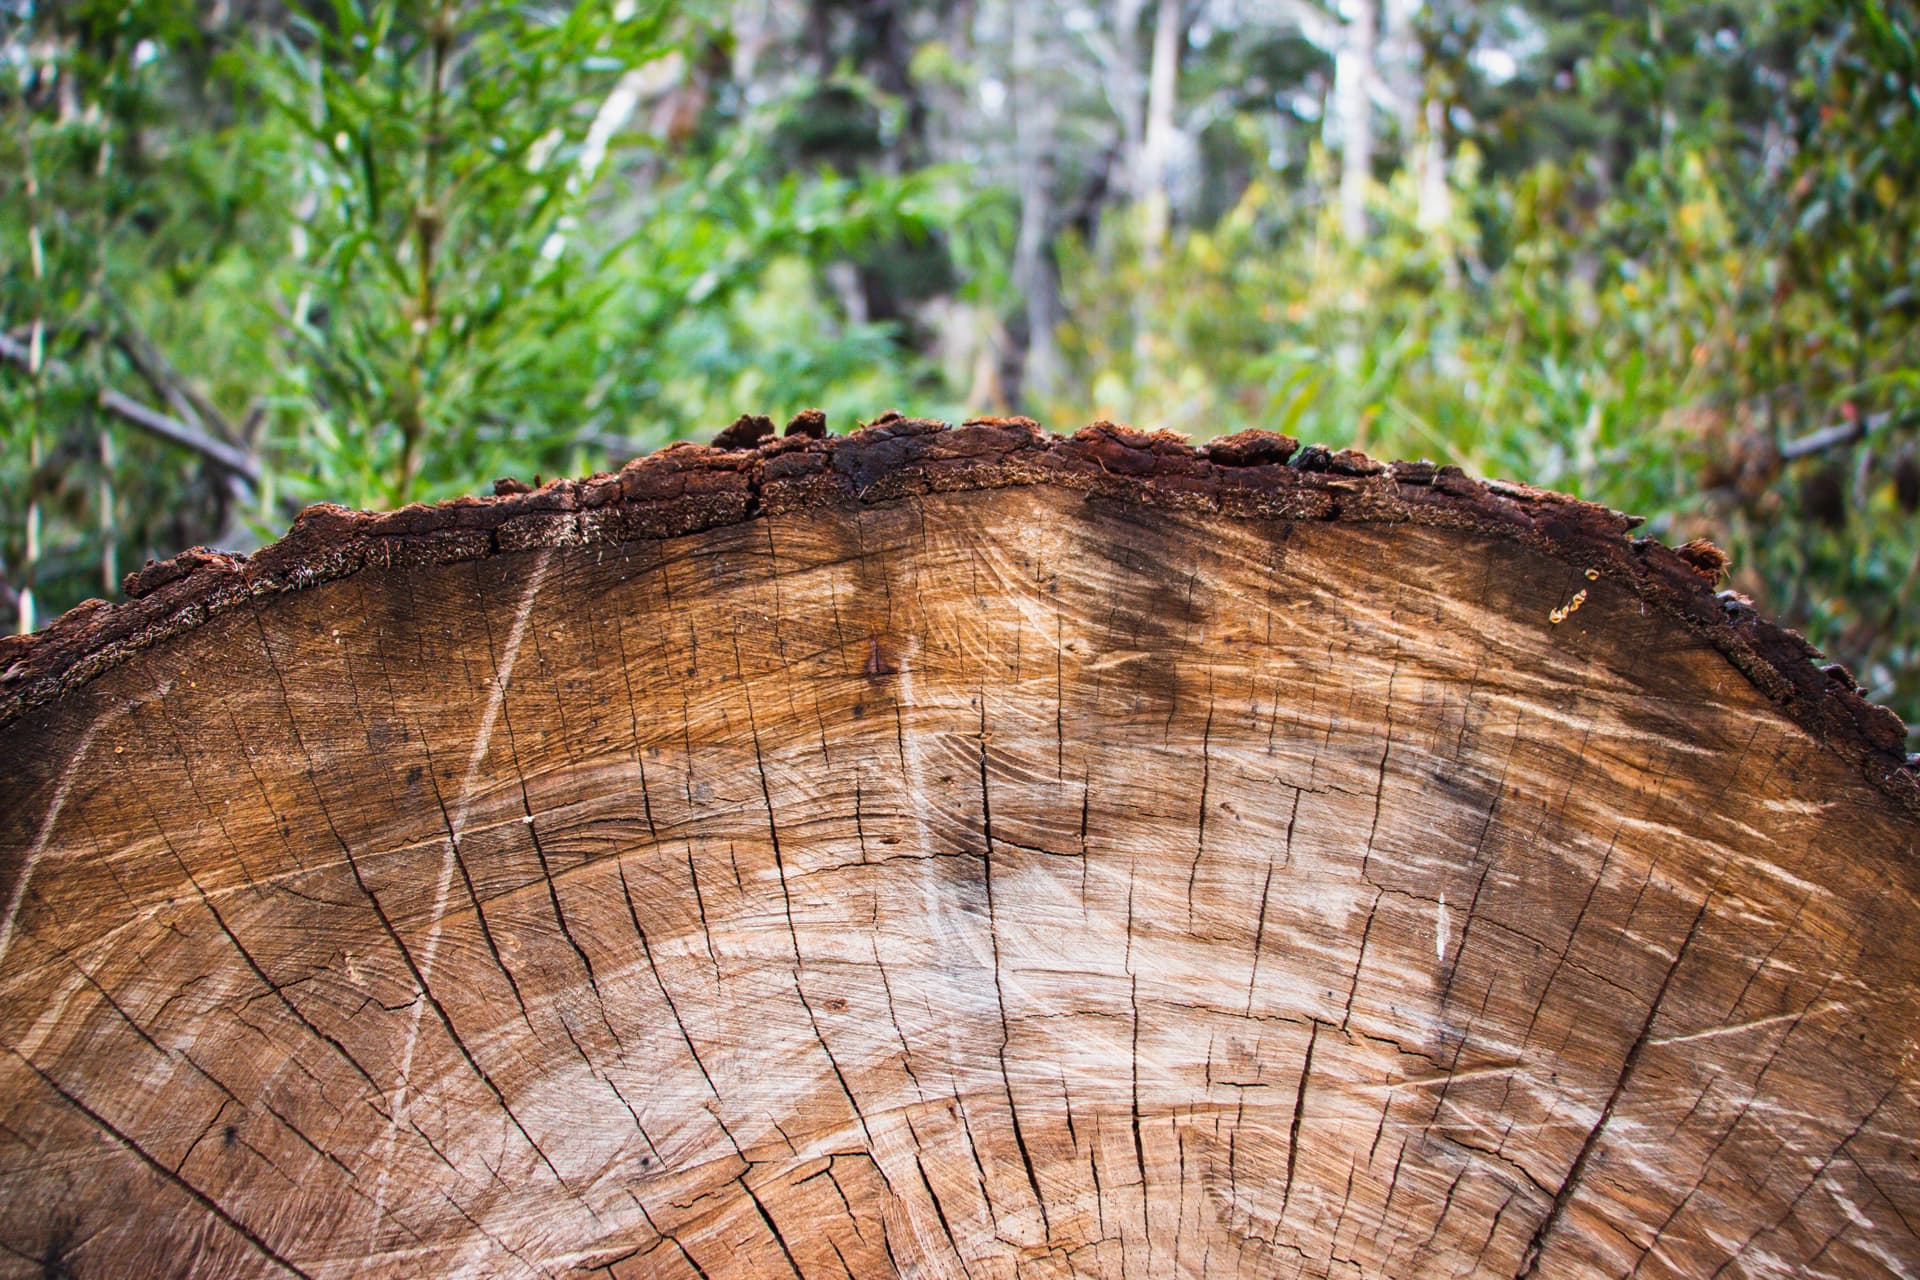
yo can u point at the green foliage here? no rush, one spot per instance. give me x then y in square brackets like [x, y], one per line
[437, 166]
[455, 281]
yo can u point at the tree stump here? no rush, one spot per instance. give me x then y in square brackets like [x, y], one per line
[955, 853]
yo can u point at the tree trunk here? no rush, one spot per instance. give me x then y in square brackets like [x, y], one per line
[1399, 70]
[954, 853]
[1433, 211]
[1156, 153]
[1353, 73]
[1036, 278]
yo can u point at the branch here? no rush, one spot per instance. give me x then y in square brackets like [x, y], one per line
[222, 455]
[1828, 437]
[167, 382]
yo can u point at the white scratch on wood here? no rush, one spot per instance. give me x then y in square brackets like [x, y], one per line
[1735, 1028]
[1853, 1211]
[1440, 930]
[54, 1015]
[1879, 1252]
[45, 833]
[483, 737]
[1443, 1078]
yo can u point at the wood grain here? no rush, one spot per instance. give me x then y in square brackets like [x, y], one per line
[954, 853]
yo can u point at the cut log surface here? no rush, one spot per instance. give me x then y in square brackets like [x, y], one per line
[955, 853]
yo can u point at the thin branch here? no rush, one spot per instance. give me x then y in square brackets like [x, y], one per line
[224, 456]
[1829, 437]
[187, 401]
[233, 461]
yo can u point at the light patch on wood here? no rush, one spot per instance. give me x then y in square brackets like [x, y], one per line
[39, 845]
[37, 848]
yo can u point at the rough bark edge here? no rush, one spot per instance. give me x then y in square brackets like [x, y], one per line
[685, 488]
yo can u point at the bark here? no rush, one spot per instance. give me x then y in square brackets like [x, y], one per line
[954, 853]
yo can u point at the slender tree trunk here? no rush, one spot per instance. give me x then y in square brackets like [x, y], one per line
[27, 618]
[1127, 95]
[1400, 66]
[1435, 208]
[109, 529]
[1353, 74]
[1035, 277]
[1153, 203]
[954, 853]
[1169, 31]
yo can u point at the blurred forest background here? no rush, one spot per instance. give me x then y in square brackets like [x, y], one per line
[1661, 255]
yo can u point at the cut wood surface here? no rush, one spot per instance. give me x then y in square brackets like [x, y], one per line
[954, 853]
